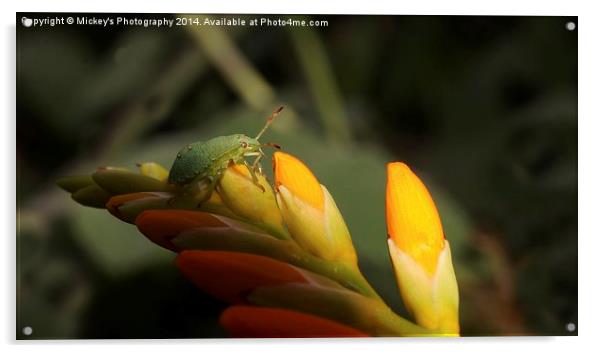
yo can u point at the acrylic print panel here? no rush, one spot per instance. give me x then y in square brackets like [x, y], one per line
[426, 182]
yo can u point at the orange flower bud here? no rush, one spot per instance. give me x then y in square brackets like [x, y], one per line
[420, 254]
[298, 179]
[309, 212]
[412, 218]
[127, 206]
[231, 276]
[254, 322]
[160, 226]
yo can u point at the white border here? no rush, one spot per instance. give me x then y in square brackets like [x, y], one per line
[462, 7]
[590, 60]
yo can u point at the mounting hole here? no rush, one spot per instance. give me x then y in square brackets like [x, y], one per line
[571, 327]
[27, 331]
[570, 26]
[27, 22]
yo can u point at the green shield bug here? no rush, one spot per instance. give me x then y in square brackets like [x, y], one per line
[199, 166]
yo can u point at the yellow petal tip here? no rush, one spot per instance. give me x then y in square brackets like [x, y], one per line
[298, 179]
[412, 219]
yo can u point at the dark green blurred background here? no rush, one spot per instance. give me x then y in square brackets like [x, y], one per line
[483, 108]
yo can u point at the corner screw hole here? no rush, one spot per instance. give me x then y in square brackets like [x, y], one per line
[570, 26]
[570, 327]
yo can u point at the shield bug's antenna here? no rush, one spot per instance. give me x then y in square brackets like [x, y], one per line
[271, 144]
[269, 122]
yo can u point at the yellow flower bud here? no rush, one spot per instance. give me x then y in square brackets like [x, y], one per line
[250, 201]
[421, 255]
[309, 212]
[153, 170]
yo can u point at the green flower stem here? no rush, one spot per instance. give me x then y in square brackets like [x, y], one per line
[155, 102]
[237, 70]
[314, 61]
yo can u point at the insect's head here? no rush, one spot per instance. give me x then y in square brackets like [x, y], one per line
[248, 144]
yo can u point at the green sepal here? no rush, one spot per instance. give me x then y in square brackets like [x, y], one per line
[92, 196]
[119, 182]
[74, 183]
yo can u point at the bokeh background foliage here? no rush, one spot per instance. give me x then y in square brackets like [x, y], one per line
[483, 108]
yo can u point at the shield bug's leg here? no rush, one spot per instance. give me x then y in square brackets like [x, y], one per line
[256, 164]
[254, 176]
[259, 155]
[201, 190]
[255, 167]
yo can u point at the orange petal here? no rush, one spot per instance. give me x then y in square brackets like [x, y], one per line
[254, 322]
[231, 276]
[298, 179]
[160, 226]
[412, 218]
